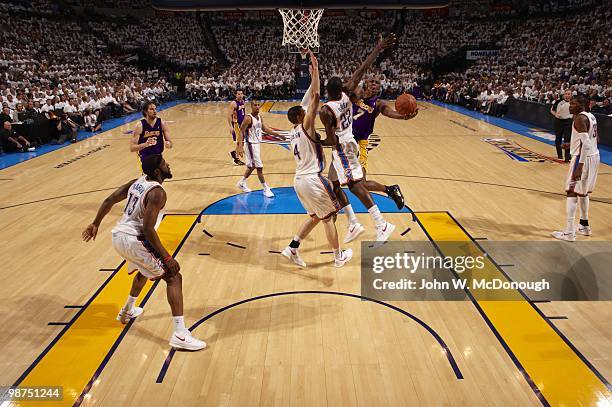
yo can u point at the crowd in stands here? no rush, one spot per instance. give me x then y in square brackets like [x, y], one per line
[425, 40]
[258, 63]
[61, 80]
[539, 59]
[264, 69]
[178, 39]
[59, 74]
[494, 9]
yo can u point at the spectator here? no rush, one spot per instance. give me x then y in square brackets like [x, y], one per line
[11, 141]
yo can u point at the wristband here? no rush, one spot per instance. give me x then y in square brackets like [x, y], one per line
[165, 260]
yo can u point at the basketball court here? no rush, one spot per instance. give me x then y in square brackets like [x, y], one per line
[282, 335]
[298, 337]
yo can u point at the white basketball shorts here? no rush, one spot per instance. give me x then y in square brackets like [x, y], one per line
[586, 183]
[345, 166]
[316, 195]
[253, 156]
[139, 254]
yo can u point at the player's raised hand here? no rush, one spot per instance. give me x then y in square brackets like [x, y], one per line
[90, 232]
[386, 42]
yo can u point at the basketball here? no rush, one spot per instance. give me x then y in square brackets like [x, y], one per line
[406, 104]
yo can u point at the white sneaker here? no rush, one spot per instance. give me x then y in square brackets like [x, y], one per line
[294, 256]
[568, 237]
[125, 316]
[268, 193]
[584, 230]
[345, 256]
[184, 340]
[243, 186]
[353, 232]
[383, 232]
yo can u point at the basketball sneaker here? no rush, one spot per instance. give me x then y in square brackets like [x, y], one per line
[395, 193]
[125, 316]
[268, 193]
[243, 186]
[238, 162]
[345, 256]
[383, 232]
[184, 340]
[584, 230]
[294, 256]
[353, 232]
[567, 236]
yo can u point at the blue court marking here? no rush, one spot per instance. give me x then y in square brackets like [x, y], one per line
[515, 126]
[278, 111]
[10, 159]
[286, 202]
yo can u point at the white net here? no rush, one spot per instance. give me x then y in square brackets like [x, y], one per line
[301, 28]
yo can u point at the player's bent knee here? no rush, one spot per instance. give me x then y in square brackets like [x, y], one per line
[175, 278]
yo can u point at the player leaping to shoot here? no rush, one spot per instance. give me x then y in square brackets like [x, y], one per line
[136, 240]
[337, 117]
[365, 111]
[313, 189]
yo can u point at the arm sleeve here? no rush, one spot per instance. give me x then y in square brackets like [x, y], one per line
[584, 140]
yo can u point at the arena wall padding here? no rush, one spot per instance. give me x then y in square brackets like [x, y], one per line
[538, 115]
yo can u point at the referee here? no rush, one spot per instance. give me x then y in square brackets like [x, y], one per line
[563, 124]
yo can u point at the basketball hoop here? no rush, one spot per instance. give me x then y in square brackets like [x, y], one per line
[301, 29]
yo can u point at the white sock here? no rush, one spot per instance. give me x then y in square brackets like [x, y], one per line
[337, 253]
[350, 214]
[243, 180]
[297, 238]
[265, 185]
[572, 203]
[179, 324]
[376, 216]
[129, 304]
[584, 207]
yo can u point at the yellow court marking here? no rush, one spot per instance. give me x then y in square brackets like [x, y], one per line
[557, 371]
[266, 106]
[73, 360]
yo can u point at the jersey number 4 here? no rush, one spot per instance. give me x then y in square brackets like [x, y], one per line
[296, 152]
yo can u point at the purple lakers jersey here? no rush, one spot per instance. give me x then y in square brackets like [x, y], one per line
[364, 115]
[239, 111]
[151, 131]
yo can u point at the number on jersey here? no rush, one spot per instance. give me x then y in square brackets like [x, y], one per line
[296, 152]
[131, 204]
[346, 119]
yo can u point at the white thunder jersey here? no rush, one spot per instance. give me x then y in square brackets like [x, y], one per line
[132, 221]
[586, 147]
[254, 131]
[343, 110]
[309, 157]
